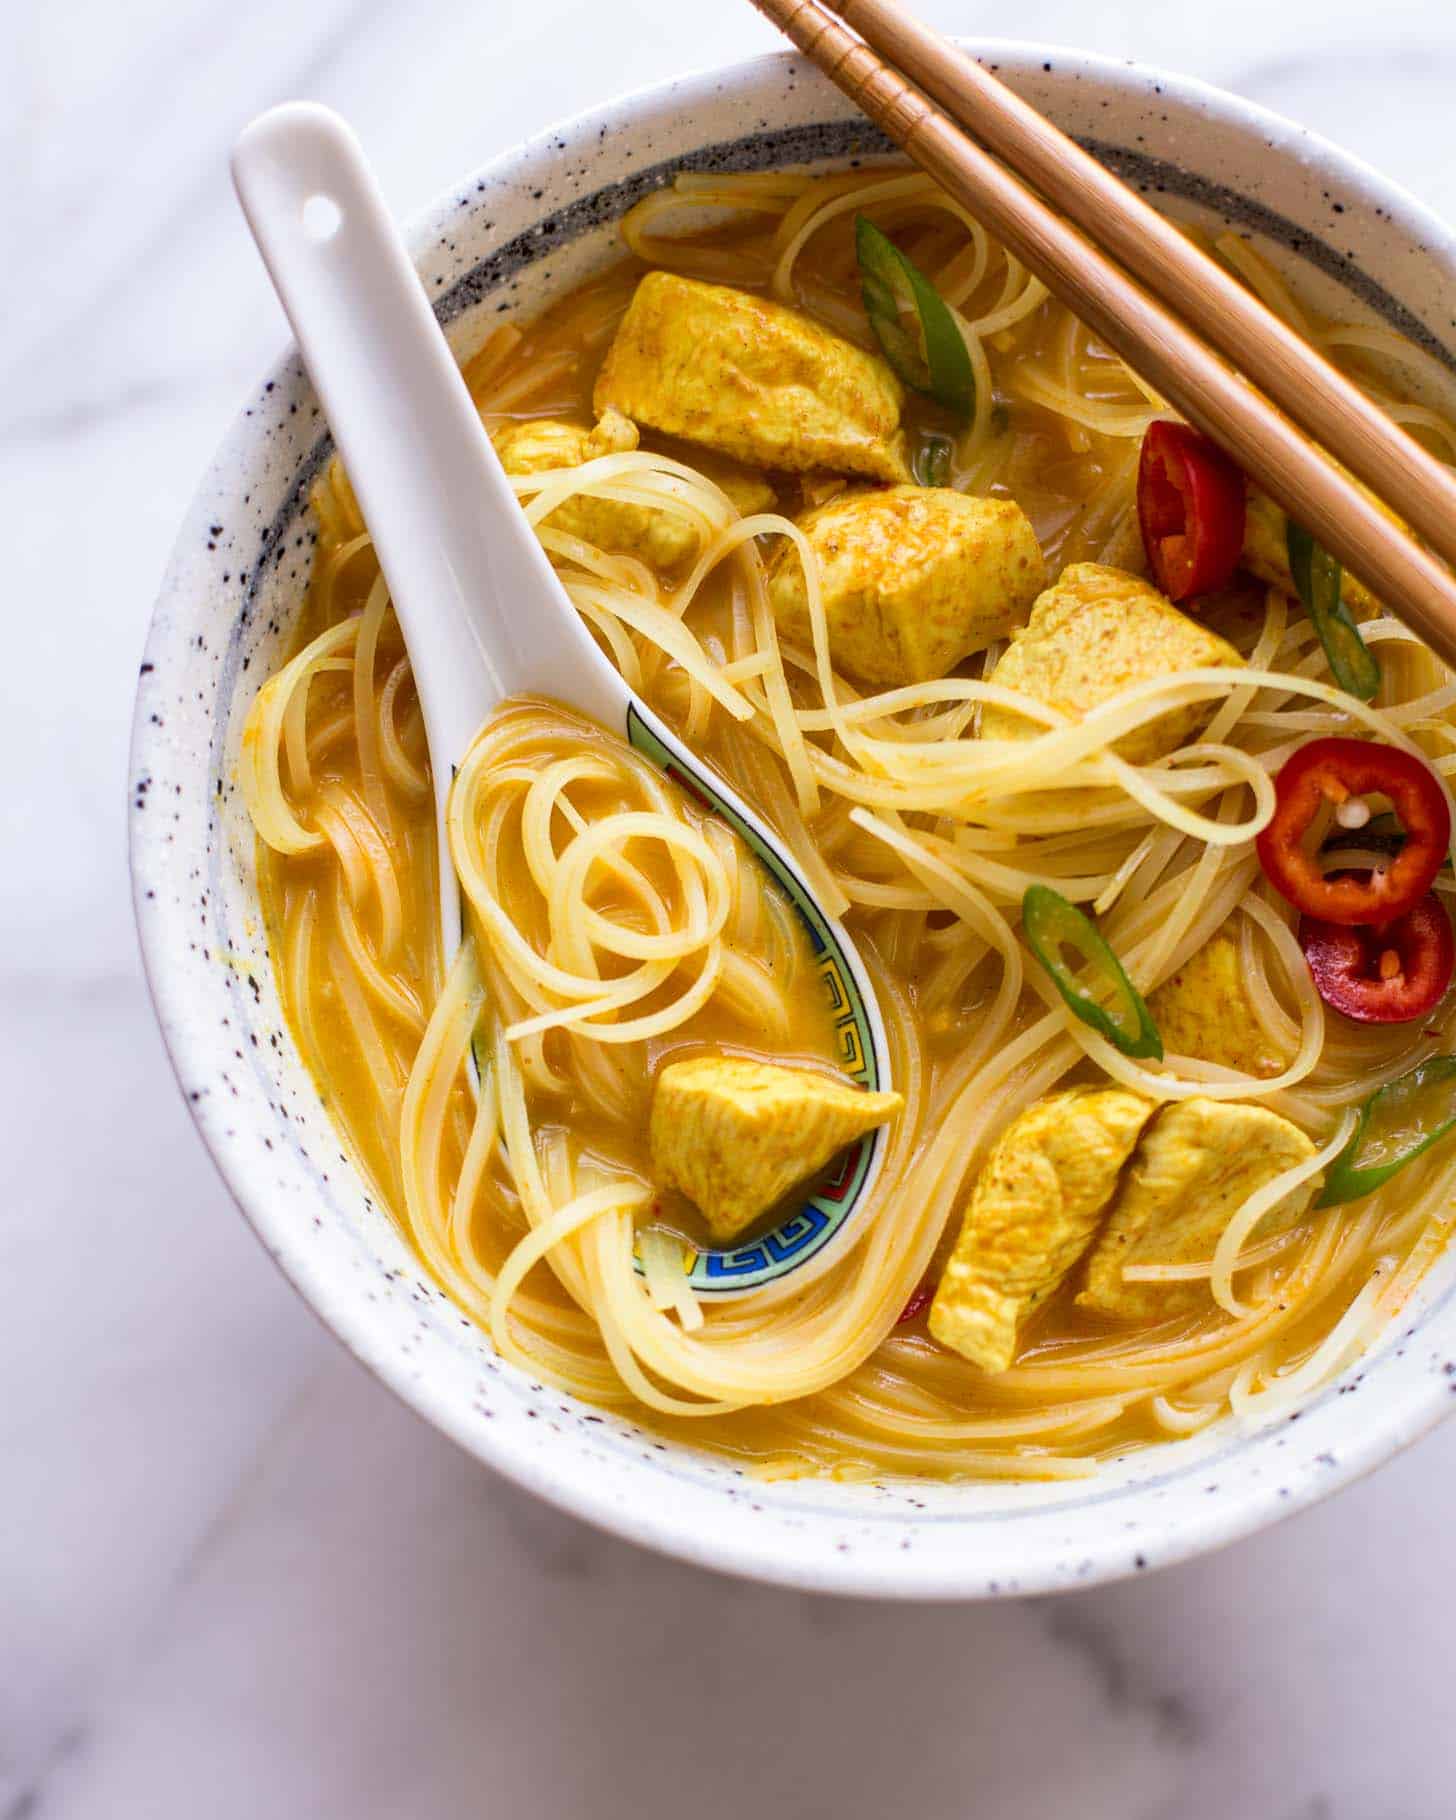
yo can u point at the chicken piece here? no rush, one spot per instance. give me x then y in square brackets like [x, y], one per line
[750, 493]
[749, 490]
[819, 489]
[538, 444]
[915, 579]
[543, 443]
[1033, 1212]
[1096, 632]
[1198, 1162]
[756, 379]
[1266, 554]
[1203, 1010]
[735, 1136]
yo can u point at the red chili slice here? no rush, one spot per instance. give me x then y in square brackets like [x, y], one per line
[919, 1301]
[1191, 508]
[1332, 771]
[1382, 976]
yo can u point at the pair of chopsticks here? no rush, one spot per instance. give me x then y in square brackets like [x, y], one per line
[1185, 324]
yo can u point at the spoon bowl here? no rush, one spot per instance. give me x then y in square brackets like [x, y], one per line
[483, 613]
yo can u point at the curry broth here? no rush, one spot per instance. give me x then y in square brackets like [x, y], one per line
[1072, 481]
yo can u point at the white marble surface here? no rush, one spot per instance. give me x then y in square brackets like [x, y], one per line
[236, 1579]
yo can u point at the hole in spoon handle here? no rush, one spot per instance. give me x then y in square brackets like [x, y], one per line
[322, 218]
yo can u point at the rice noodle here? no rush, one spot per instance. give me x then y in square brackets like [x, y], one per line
[608, 916]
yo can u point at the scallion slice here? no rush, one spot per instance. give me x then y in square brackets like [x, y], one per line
[1104, 997]
[1399, 1122]
[931, 356]
[931, 462]
[1318, 577]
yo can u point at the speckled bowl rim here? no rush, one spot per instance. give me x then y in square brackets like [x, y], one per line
[898, 1540]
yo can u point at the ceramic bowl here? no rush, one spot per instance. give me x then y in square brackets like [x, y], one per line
[540, 217]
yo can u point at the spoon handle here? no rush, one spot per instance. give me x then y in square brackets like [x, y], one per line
[471, 586]
[482, 610]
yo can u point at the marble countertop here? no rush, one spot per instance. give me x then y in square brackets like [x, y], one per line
[236, 1578]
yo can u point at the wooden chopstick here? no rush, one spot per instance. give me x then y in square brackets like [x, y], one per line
[1315, 393]
[1202, 385]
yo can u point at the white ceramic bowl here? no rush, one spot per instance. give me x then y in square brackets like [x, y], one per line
[535, 220]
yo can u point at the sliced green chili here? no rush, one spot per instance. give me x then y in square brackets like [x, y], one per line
[1399, 1122]
[1319, 577]
[931, 357]
[1108, 1002]
[931, 463]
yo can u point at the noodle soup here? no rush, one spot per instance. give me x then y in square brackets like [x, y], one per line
[504, 1109]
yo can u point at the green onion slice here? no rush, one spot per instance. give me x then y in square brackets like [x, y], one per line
[931, 463]
[1399, 1122]
[930, 357]
[1318, 577]
[1108, 1001]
